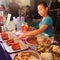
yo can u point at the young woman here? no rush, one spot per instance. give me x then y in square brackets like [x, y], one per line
[45, 26]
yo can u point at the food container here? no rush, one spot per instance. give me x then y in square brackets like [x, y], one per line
[43, 40]
[13, 42]
[32, 41]
[27, 55]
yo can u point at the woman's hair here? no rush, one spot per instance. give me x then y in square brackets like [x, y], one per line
[44, 4]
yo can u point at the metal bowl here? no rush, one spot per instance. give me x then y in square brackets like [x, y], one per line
[32, 42]
[33, 55]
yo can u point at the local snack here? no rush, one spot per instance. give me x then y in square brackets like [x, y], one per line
[10, 42]
[32, 40]
[46, 41]
[4, 35]
[16, 46]
[25, 56]
[56, 49]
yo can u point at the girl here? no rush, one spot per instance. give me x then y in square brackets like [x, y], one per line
[45, 26]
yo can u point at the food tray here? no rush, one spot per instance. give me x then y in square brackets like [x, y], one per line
[9, 49]
[32, 55]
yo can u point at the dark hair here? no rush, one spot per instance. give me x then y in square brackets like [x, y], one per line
[44, 4]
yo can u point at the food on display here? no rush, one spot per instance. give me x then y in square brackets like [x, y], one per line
[43, 45]
[47, 56]
[53, 49]
[46, 41]
[10, 42]
[4, 35]
[32, 40]
[26, 56]
[55, 56]
[56, 49]
[39, 48]
[16, 46]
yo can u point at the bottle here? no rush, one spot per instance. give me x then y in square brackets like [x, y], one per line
[22, 19]
[22, 22]
[26, 27]
[22, 27]
[18, 23]
[14, 20]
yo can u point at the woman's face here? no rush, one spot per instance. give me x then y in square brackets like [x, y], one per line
[42, 10]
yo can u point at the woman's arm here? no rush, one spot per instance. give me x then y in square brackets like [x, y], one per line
[35, 32]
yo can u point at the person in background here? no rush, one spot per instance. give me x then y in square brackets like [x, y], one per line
[14, 8]
[45, 26]
[54, 6]
[28, 15]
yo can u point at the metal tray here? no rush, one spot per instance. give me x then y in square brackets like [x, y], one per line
[9, 49]
[34, 55]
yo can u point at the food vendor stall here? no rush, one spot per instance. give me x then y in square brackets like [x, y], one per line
[38, 46]
[16, 48]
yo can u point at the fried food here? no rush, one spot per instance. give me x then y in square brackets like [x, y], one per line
[10, 42]
[16, 46]
[56, 49]
[32, 40]
[4, 35]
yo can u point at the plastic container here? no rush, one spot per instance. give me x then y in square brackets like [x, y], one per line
[22, 27]
[32, 55]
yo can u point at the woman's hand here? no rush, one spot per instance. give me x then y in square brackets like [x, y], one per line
[21, 36]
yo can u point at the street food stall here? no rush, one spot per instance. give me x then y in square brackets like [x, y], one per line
[37, 47]
[30, 48]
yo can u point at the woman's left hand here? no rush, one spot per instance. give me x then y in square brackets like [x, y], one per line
[21, 36]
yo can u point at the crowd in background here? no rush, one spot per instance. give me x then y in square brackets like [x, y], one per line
[28, 13]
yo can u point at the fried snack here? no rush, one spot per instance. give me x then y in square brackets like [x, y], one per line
[46, 42]
[4, 35]
[55, 56]
[16, 46]
[32, 40]
[56, 49]
[10, 42]
[22, 56]
[40, 48]
[47, 56]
